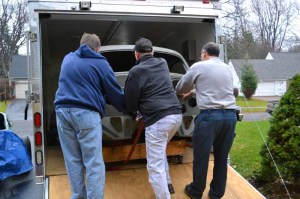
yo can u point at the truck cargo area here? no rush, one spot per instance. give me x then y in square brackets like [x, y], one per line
[131, 180]
[61, 33]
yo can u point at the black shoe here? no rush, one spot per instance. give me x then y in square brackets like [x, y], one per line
[171, 189]
[187, 191]
[211, 196]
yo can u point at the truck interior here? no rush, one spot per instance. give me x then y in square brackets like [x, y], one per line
[61, 34]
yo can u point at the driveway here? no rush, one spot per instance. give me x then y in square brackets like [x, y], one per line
[15, 113]
[15, 110]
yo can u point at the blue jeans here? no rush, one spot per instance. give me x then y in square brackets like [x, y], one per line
[212, 128]
[80, 136]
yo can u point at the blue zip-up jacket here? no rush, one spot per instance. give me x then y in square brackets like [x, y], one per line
[86, 81]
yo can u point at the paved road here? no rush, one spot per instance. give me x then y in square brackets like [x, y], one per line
[267, 98]
[256, 116]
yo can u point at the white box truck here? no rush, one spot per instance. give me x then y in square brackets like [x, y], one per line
[177, 28]
[57, 26]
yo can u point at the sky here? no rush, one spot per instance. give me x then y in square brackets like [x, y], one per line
[295, 27]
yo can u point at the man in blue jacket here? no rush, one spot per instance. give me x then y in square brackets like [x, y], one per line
[86, 80]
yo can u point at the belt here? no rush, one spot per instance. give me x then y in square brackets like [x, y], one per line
[216, 110]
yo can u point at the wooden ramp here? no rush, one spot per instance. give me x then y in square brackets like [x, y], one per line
[132, 183]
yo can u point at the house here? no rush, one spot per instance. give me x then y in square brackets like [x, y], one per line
[273, 72]
[18, 73]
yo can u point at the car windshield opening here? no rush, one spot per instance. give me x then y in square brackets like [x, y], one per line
[122, 61]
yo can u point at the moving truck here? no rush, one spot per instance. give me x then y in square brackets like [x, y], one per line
[177, 28]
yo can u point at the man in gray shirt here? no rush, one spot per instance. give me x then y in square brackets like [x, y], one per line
[212, 82]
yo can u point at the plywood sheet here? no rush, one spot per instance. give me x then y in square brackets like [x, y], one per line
[131, 181]
[133, 184]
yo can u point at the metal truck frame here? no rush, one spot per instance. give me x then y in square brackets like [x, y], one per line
[56, 25]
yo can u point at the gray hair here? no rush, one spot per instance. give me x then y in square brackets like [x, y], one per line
[91, 40]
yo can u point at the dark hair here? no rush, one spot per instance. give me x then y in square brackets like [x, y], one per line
[212, 49]
[143, 45]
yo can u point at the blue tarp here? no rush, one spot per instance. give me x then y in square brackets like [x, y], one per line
[14, 157]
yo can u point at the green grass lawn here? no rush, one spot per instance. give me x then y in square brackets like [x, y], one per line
[244, 155]
[3, 105]
[252, 105]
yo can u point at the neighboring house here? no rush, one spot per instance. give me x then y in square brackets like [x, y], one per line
[273, 73]
[19, 74]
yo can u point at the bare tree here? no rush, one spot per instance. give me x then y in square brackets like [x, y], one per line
[13, 21]
[266, 28]
[240, 41]
[293, 44]
[273, 21]
[236, 15]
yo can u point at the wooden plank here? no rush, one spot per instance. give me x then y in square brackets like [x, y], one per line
[55, 162]
[59, 187]
[120, 153]
[235, 190]
[133, 184]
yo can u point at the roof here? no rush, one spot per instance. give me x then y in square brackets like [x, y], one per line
[278, 66]
[18, 67]
[285, 55]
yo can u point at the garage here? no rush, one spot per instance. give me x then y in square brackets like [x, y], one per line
[21, 87]
[265, 89]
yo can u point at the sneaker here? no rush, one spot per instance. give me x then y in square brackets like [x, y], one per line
[171, 189]
[187, 191]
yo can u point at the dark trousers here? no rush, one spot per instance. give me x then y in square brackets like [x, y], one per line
[212, 128]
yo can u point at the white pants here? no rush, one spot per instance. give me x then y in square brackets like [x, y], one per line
[157, 137]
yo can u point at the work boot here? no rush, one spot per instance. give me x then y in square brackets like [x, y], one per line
[171, 189]
[188, 191]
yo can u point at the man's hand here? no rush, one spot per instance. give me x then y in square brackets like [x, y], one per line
[186, 95]
[138, 116]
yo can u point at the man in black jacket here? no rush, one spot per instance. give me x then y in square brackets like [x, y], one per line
[149, 90]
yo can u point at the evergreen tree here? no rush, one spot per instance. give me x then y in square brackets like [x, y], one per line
[249, 80]
[284, 138]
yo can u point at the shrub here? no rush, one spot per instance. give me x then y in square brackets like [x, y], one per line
[284, 138]
[6, 91]
[249, 80]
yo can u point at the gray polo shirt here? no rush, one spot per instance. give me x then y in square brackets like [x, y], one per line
[213, 82]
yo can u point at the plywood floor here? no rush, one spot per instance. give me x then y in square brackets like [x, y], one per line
[132, 183]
